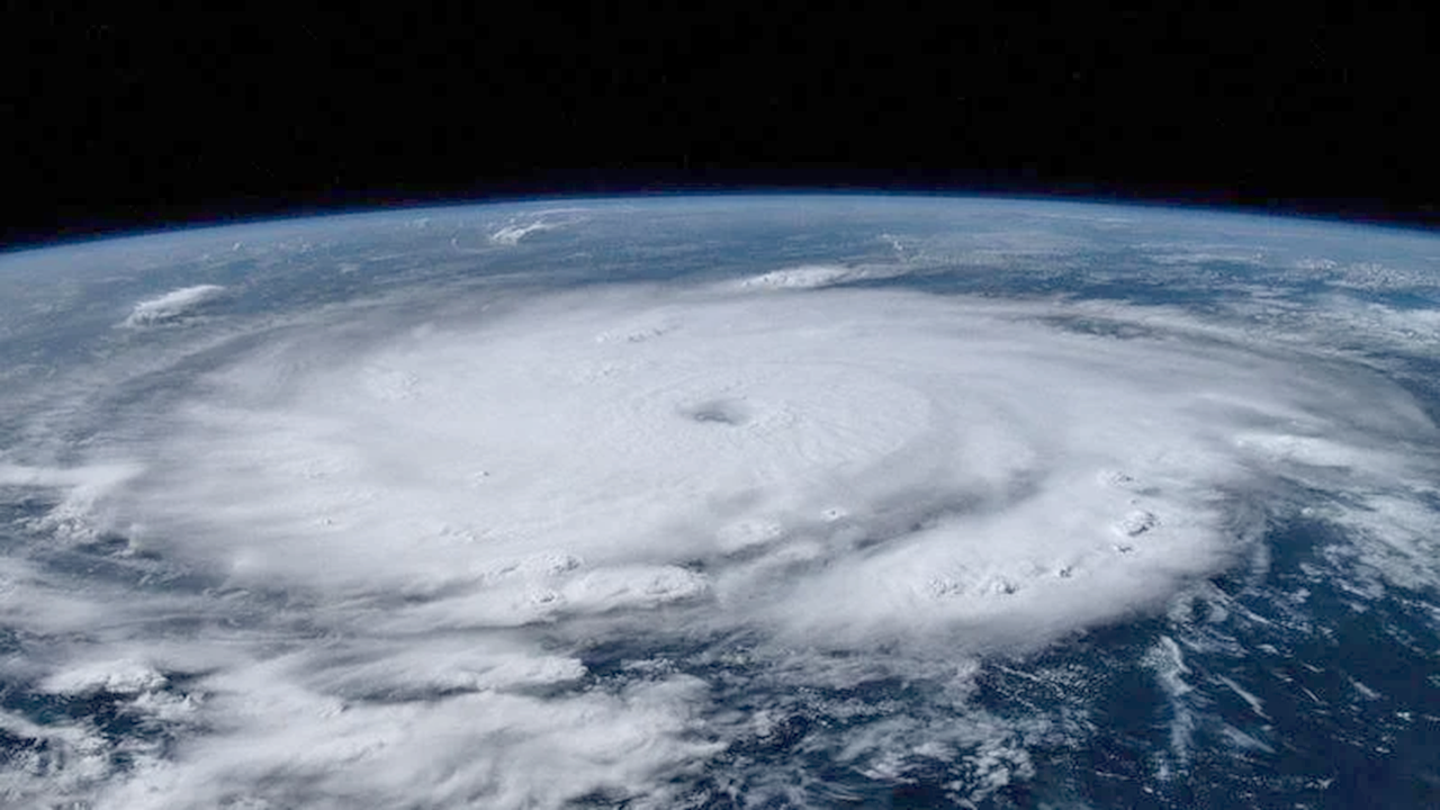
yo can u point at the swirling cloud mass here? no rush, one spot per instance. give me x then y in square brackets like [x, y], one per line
[536, 545]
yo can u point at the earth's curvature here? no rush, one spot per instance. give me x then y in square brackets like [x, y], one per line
[732, 502]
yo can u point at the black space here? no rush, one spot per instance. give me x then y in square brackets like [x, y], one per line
[121, 119]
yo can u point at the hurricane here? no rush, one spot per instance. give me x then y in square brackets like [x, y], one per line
[748, 502]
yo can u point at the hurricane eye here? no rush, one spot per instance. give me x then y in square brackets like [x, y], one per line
[719, 411]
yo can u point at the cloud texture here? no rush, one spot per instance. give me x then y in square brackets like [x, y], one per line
[453, 556]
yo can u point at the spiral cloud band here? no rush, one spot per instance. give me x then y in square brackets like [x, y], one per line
[837, 462]
[455, 552]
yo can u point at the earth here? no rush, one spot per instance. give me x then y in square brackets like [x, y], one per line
[724, 502]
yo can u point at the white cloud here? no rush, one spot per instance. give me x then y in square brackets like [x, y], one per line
[129, 677]
[512, 234]
[518, 228]
[803, 277]
[401, 544]
[283, 745]
[171, 305]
